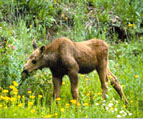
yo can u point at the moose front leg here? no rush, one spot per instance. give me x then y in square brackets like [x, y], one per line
[57, 82]
[102, 72]
[73, 75]
[73, 68]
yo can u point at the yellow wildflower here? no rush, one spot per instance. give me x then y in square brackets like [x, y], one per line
[15, 89]
[29, 92]
[73, 101]
[99, 93]
[66, 18]
[111, 108]
[131, 101]
[40, 96]
[78, 104]
[20, 104]
[63, 83]
[15, 83]
[82, 75]
[33, 110]
[15, 92]
[48, 116]
[1, 97]
[12, 99]
[88, 94]
[23, 97]
[86, 78]
[11, 87]
[30, 103]
[56, 114]
[18, 96]
[5, 91]
[124, 106]
[67, 105]
[0, 106]
[62, 109]
[62, 15]
[85, 104]
[131, 25]
[58, 99]
[136, 76]
[32, 97]
[6, 98]
[5, 107]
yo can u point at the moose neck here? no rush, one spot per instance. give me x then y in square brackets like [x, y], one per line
[50, 59]
[50, 56]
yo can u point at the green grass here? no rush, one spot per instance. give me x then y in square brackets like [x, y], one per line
[90, 93]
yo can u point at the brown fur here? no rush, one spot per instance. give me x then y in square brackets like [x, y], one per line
[65, 57]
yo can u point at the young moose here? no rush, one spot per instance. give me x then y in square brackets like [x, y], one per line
[65, 57]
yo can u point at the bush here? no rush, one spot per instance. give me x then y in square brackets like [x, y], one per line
[11, 62]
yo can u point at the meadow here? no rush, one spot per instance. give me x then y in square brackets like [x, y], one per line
[117, 22]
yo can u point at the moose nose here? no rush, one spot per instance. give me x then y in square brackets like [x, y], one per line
[25, 71]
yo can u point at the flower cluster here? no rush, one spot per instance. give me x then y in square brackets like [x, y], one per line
[13, 47]
[9, 97]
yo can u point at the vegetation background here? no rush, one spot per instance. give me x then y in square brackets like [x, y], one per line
[118, 22]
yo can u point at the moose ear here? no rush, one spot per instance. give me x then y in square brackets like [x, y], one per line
[34, 44]
[42, 48]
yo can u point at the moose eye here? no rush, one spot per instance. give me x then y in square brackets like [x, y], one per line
[34, 61]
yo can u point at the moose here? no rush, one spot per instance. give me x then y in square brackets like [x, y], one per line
[65, 57]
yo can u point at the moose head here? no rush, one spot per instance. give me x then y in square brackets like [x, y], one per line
[36, 60]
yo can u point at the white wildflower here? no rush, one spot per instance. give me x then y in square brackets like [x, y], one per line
[112, 111]
[116, 109]
[118, 116]
[104, 104]
[110, 104]
[116, 101]
[121, 111]
[124, 114]
[96, 104]
[130, 114]
[107, 108]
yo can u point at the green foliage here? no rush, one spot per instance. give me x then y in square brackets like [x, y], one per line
[11, 61]
[38, 83]
[32, 11]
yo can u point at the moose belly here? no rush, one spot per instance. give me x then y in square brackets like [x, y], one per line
[86, 64]
[86, 70]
